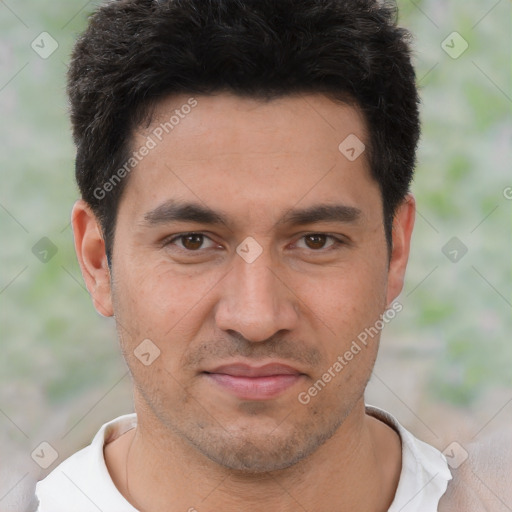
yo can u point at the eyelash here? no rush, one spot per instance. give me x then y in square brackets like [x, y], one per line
[337, 242]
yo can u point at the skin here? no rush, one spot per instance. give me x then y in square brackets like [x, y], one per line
[300, 302]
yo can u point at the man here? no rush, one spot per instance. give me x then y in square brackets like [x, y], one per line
[244, 167]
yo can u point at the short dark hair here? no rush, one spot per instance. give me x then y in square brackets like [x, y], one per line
[137, 52]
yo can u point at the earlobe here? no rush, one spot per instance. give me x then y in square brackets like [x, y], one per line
[403, 224]
[90, 251]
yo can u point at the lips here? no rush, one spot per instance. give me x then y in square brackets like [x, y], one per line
[248, 382]
[244, 370]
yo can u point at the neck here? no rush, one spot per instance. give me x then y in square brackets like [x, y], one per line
[161, 469]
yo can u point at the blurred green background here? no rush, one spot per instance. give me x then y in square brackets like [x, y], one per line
[445, 366]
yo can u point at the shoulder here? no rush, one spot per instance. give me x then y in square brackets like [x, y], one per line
[82, 479]
[66, 481]
[483, 481]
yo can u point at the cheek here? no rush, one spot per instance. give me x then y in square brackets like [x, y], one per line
[350, 302]
[349, 296]
[165, 306]
[157, 295]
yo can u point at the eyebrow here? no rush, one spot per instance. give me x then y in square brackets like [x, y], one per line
[321, 213]
[176, 211]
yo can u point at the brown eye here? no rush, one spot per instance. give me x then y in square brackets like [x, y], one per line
[192, 241]
[315, 241]
[319, 242]
[187, 243]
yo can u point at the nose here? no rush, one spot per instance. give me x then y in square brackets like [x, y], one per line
[256, 301]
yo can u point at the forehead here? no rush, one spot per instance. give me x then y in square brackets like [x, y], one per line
[224, 150]
[294, 123]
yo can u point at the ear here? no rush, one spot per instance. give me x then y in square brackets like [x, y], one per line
[90, 251]
[403, 223]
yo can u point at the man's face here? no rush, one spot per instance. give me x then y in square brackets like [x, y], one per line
[297, 293]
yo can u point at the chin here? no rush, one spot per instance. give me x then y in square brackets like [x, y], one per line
[249, 452]
[253, 458]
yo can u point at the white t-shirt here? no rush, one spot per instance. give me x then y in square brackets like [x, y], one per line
[82, 482]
